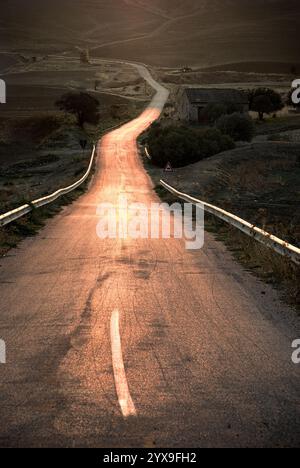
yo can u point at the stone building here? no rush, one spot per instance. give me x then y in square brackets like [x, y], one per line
[191, 102]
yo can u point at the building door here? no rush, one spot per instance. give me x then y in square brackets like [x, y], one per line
[202, 119]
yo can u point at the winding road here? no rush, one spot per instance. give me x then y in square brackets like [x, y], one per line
[128, 343]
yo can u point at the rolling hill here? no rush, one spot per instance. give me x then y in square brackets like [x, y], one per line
[160, 32]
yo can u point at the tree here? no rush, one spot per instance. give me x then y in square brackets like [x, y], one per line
[238, 126]
[265, 101]
[82, 105]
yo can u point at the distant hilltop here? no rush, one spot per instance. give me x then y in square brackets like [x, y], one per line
[167, 33]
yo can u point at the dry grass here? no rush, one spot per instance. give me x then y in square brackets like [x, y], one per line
[260, 260]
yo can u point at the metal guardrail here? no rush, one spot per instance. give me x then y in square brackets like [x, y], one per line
[147, 153]
[273, 242]
[25, 209]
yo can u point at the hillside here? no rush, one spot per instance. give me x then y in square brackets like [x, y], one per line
[160, 32]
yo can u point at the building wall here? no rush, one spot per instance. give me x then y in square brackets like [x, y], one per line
[183, 107]
[189, 111]
[186, 111]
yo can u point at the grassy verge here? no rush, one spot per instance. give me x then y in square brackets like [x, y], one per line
[269, 266]
[256, 258]
[280, 124]
[30, 224]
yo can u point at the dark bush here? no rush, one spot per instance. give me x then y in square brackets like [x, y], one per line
[183, 145]
[212, 141]
[179, 145]
[240, 127]
[212, 112]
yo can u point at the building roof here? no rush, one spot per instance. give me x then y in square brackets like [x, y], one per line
[213, 95]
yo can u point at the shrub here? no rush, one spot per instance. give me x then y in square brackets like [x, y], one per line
[213, 141]
[179, 145]
[212, 112]
[240, 127]
[183, 145]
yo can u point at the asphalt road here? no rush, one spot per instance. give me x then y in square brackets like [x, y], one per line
[121, 342]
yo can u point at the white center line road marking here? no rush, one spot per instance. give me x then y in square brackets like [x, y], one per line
[125, 400]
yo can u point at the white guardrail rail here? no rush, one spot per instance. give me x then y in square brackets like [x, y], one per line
[276, 244]
[23, 210]
[147, 153]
